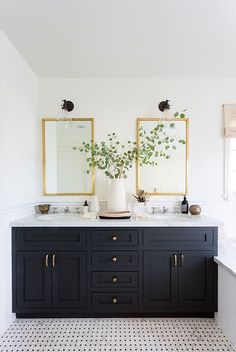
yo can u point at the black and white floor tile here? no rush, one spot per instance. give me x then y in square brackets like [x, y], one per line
[115, 335]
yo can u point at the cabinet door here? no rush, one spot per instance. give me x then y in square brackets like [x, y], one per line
[160, 279]
[33, 279]
[196, 279]
[69, 279]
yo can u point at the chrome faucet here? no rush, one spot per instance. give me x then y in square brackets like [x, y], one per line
[67, 210]
[55, 210]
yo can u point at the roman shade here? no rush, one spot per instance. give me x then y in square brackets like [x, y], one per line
[230, 120]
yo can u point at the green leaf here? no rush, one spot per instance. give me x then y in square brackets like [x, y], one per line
[176, 114]
[182, 116]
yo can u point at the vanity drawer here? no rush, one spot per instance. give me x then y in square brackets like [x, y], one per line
[115, 259]
[50, 238]
[114, 237]
[197, 237]
[114, 279]
[115, 302]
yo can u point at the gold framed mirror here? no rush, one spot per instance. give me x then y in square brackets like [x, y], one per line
[168, 174]
[64, 167]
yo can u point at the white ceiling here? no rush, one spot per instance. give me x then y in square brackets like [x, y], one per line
[124, 38]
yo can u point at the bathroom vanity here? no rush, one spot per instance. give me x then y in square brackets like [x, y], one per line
[94, 268]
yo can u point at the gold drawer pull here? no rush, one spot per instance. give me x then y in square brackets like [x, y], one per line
[114, 279]
[114, 238]
[54, 260]
[114, 301]
[114, 259]
[46, 260]
[175, 260]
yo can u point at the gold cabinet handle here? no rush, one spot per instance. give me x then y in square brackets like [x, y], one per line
[114, 259]
[175, 260]
[114, 238]
[114, 301]
[54, 260]
[181, 259]
[46, 260]
[114, 279]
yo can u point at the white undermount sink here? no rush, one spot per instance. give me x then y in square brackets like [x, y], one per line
[171, 217]
[60, 217]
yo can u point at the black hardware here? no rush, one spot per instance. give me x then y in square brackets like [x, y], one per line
[67, 105]
[164, 105]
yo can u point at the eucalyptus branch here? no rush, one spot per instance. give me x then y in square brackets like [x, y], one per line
[116, 159]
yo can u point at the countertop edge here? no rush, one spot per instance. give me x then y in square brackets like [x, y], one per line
[220, 261]
[35, 221]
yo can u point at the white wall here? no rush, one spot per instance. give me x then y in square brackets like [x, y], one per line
[116, 103]
[19, 157]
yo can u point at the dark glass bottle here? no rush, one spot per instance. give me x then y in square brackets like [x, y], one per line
[184, 206]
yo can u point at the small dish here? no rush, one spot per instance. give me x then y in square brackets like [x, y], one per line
[44, 208]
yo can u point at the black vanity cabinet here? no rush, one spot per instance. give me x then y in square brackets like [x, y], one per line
[160, 279]
[50, 279]
[33, 279]
[95, 272]
[178, 279]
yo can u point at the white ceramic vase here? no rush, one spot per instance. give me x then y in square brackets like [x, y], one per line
[116, 196]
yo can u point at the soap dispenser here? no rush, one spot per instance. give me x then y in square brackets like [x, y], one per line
[85, 207]
[184, 206]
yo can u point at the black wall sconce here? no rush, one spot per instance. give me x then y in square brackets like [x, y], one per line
[67, 105]
[164, 105]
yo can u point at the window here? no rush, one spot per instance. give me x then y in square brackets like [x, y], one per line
[230, 150]
[230, 172]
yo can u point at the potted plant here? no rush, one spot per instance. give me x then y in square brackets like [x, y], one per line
[141, 197]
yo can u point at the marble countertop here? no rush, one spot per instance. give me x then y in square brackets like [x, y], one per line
[165, 220]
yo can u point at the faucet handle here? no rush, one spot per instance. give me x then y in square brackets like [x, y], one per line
[164, 210]
[153, 209]
[176, 209]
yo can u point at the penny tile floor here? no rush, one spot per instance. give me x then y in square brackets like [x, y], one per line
[115, 335]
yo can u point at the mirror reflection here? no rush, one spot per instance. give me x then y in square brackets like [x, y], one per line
[64, 168]
[168, 174]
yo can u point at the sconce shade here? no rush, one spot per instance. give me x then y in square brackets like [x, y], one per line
[67, 105]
